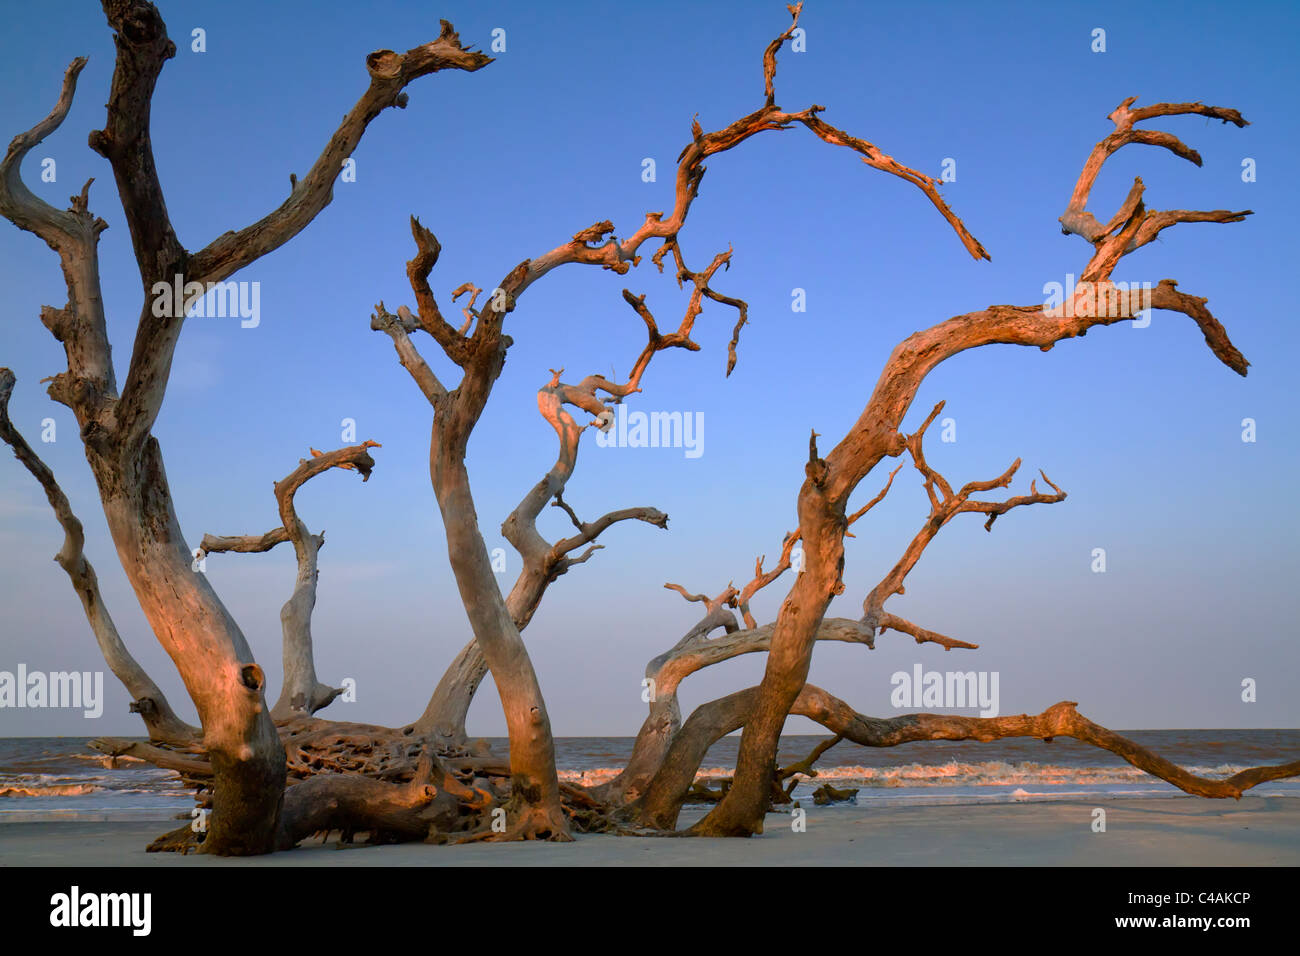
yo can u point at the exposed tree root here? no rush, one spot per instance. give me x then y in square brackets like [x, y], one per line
[520, 819]
[379, 781]
[825, 795]
[366, 779]
[181, 840]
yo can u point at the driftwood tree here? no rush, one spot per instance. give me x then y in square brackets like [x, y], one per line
[824, 497]
[272, 776]
[301, 692]
[206, 644]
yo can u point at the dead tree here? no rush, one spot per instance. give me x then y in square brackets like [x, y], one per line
[667, 756]
[824, 497]
[273, 776]
[204, 642]
[301, 692]
[496, 621]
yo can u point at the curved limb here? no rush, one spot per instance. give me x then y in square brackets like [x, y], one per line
[875, 435]
[148, 699]
[301, 691]
[714, 720]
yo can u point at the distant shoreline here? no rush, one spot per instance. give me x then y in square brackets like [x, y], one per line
[57, 779]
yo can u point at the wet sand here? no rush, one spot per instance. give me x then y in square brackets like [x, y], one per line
[1179, 831]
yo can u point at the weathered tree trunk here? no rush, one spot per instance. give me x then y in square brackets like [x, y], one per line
[447, 712]
[708, 723]
[822, 524]
[301, 691]
[209, 650]
[423, 809]
[198, 634]
[207, 647]
[535, 787]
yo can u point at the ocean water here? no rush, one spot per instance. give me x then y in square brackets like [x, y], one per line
[47, 778]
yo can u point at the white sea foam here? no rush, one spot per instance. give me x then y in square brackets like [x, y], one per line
[992, 773]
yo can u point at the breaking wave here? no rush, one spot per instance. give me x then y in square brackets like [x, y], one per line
[35, 789]
[992, 773]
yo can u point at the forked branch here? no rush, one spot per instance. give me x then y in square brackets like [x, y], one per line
[945, 504]
[142, 49]
[301, 692]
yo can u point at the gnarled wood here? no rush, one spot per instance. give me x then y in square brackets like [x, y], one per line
[272, 777]
[824, 497]
[712, 721]
[301, 691]
[187, 617]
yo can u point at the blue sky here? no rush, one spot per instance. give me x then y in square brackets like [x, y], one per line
[1142, 426]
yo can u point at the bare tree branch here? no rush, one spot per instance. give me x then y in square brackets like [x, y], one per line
[390, 73]
[17, 203]
[591, 247]
[183, 763]
[156, 337]
[88, 384]
[468, 308]
[453, 342]
[243, 543]
[148, 699]
[301, 691]
[945, 504]
[143, 47]
[880, 496]
[763, 578]
[805, 766]
[710, 722]
[892, 622]
[399, 328]
[1081, 222]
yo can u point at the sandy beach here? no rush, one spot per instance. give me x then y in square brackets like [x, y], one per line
[1178, 831]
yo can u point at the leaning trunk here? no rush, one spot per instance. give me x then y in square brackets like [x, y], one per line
[535, 785]
[823, 525]
[443, 720]
[447, 712]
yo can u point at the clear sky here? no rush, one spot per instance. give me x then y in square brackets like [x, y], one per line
[1142, 426]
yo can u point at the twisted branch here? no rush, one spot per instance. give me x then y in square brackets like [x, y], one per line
[301, 692]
